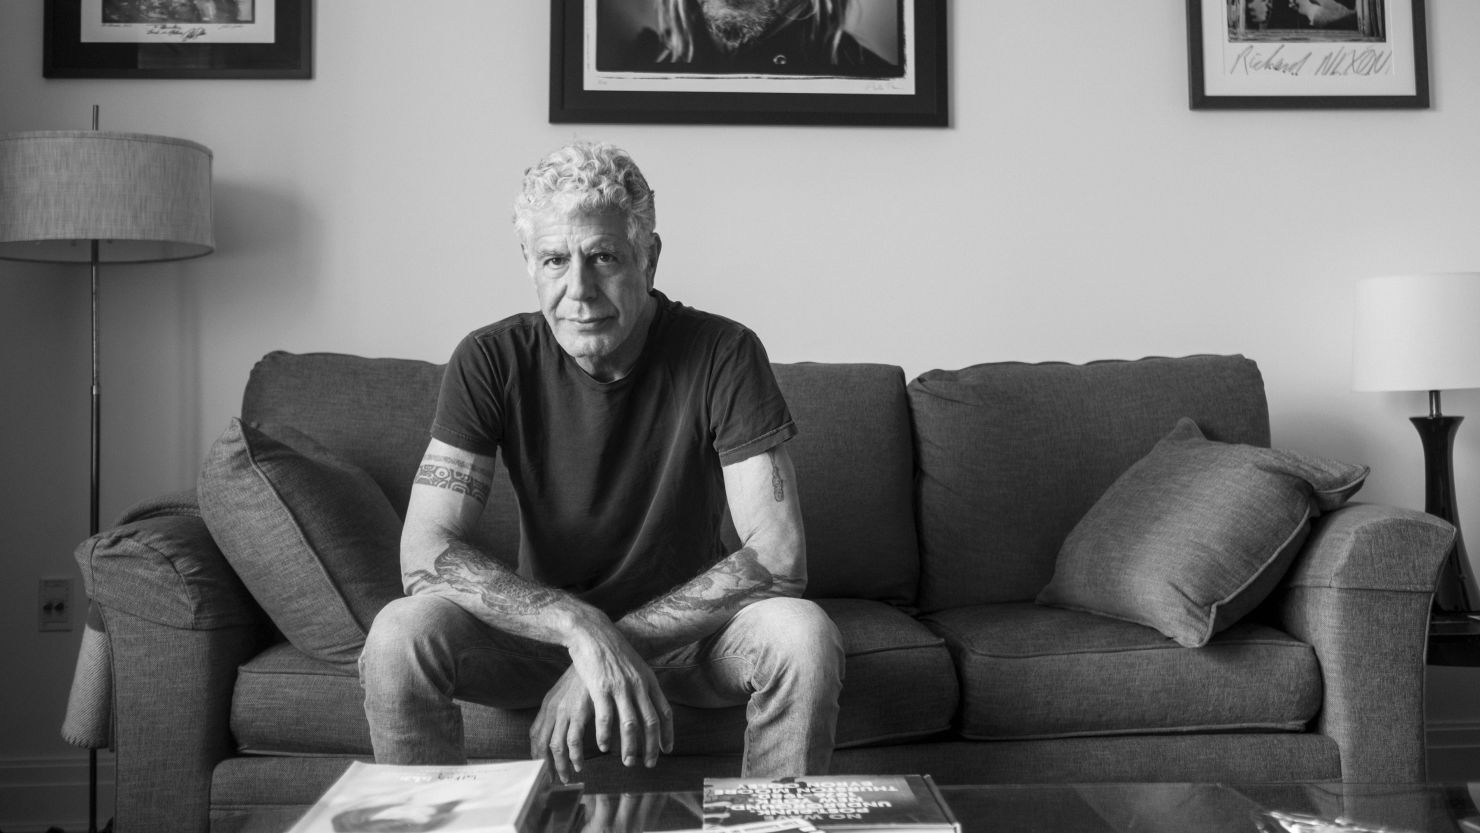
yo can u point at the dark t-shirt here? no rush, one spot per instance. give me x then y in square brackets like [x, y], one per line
[619, 483]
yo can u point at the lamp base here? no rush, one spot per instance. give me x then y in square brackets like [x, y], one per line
[1457, 591]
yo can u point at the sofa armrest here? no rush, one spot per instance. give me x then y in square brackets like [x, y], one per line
[1366, 546]
[1360, 594]
[161, 564]
[178, 623]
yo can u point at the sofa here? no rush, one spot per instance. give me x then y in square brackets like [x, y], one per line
[943, 519]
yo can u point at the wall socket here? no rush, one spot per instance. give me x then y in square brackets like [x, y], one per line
[54, 606]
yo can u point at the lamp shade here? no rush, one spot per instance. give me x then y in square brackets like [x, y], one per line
[1417, 332]
[144, 198]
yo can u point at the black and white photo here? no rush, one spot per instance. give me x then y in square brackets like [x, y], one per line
[178, 39]
[749, 61]
[1306, 53]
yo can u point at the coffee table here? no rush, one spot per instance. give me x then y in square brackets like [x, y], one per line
[1077, 808]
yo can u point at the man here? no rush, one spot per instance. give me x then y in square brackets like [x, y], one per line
[628, 423]
[1247, 14]
[770, 37]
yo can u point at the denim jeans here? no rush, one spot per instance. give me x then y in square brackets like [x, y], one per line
[781, 657]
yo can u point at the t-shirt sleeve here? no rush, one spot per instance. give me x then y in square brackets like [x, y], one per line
[748, 414]
[468, 415]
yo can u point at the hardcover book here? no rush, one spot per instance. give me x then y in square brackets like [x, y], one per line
[852, 803]
[497, 798]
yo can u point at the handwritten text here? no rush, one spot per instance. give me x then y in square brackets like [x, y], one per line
[1364, 61]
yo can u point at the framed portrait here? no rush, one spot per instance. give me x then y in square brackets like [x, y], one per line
[829, 62]
[178, 39]
[1307, 53]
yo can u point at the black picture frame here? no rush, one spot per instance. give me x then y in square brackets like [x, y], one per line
[1378, 60]
[926, 104]
[288, 55]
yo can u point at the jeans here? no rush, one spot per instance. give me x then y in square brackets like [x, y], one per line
[781, 657]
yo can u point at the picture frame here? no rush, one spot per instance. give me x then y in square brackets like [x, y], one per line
[608, 64]
[1307, 54]
[140, 39]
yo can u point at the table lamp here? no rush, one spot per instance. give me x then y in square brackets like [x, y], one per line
[1418, 332]
[85, 196]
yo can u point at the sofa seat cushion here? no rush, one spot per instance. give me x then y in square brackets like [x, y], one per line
[1034, 672]
[900, 685]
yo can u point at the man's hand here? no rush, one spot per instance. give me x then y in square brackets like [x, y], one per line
[608, 686]
[559, 730]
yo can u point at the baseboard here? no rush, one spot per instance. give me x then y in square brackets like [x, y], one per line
[1454, 750]
[40, 793]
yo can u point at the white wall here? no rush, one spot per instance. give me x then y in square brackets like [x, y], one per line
[1075, 210]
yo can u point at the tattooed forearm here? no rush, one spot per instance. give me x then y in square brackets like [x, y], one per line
[720, 589]
[465, 569]
[454, 475]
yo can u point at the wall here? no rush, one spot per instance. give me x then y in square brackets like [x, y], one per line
[1075, 210]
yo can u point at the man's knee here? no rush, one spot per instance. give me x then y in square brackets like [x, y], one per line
[800, 634]
[405, 630]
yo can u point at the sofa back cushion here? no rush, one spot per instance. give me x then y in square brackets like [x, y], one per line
[855, 468]
[1011, 456]
[374, 413]
[853, 455]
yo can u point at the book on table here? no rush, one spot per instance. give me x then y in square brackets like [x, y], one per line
[497, 797]
[851, 803]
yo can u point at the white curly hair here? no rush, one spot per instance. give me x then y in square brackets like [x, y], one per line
[594, 177]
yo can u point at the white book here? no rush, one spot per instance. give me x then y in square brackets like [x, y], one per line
[489, 798]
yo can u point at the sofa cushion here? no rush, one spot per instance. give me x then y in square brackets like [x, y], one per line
[1010, 456]
[1196, 534]
[855, 472]
[900, 685]
[1029, 671]
[374, 413]
[311, 536]
[853, 455]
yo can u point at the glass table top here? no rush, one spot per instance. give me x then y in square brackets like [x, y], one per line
[1071, 808]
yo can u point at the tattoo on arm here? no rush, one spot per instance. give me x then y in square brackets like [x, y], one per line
[454, 475]
[463, 568]
[719, 589]
[778, 484]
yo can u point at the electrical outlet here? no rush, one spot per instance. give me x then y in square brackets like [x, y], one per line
[54, 608]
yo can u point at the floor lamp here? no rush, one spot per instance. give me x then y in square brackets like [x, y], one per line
[85, 196]
[1418, 333]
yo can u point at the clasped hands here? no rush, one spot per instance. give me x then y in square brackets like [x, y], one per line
[608, 687]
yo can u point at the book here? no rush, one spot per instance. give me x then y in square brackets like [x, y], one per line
[852, 803]
[490, 798]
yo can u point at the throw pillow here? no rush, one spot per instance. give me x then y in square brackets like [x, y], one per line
[311, 536]
[1195, 534]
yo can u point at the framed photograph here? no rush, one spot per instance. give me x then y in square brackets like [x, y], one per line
[857, 62]
[178, 39]
[1307, 53]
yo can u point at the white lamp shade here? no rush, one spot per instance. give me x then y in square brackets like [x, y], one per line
[144, 198]
[1417, 332]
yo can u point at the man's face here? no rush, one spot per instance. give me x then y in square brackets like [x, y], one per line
[592, 291]
[1258, 11]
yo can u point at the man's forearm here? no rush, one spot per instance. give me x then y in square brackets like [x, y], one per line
[485, 587]
[698, 607]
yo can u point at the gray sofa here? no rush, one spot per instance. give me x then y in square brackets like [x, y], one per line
[934, 512]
